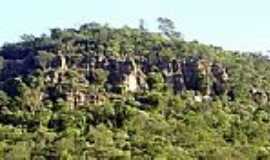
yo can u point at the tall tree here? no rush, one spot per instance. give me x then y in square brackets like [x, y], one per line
[167, 27]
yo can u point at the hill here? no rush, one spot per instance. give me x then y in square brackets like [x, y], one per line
[99, 92]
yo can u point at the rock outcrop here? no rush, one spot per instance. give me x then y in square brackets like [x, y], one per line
[128, 74]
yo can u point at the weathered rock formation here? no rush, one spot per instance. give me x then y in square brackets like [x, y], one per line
[129, 74]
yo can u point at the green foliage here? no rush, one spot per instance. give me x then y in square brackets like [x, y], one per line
[44, 59]
[101, 76]
[155, 81]
[4, 99]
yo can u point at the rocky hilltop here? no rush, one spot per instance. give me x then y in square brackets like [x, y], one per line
[99, 92]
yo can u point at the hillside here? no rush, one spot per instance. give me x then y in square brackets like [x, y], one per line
[100, 92]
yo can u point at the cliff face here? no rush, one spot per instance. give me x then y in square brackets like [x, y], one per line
[129, 74]
[206, 78]
[181, 74]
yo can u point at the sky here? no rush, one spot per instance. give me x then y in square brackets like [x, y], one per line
[232, 24]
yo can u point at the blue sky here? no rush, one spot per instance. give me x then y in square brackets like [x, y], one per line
[233, 24]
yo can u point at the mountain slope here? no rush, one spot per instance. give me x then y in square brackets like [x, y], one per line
[105, 93]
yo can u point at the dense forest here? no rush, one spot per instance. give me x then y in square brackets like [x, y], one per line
[98, 92]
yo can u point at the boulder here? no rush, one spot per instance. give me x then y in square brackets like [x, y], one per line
[220, 79]
[196, 75]
[259, 96]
